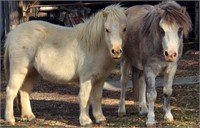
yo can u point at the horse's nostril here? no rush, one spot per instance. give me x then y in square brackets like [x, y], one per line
[116, 52]
[175, 54]
[113, 51]
[120, 51]
[166, 53]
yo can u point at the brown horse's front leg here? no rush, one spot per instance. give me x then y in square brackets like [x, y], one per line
[167, 91]
[124, 68]
[151, 95]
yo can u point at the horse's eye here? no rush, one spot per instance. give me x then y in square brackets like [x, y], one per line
[162, 31]
[124, 30]
[180, 31]
[107, 30]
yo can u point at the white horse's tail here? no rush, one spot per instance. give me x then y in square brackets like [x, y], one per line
[6, 61]
[111, 87]
[6, 71]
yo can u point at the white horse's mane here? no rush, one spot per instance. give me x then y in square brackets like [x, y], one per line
[91, 32]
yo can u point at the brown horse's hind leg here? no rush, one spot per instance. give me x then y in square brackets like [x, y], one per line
[14, 84]
[142, 95]
[124, 67]
[26, 89]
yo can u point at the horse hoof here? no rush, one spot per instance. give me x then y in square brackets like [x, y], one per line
[103, 123]
[32, 120]
[152, 125]
[169, 120]
[88, 125]
[143, 111]
[121, 114]
[28, 118]
[11, 123]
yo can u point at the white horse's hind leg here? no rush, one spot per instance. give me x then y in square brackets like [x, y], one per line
[167, 90]
[142, 96]
[124, 67]
[14, 84]
[96, 101]
[25, 91]
[84, 95]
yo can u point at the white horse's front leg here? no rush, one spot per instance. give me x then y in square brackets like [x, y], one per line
[96, 103]
[167, 91]
[124, 67]
[84, 95]
[151, 95]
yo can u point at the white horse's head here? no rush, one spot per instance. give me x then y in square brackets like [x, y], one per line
[115, 28]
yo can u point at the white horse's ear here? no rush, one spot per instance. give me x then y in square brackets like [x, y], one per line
[183, 10]
[126, 12]
[105, 14]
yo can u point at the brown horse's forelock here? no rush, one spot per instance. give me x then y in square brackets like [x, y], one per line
[171, 13]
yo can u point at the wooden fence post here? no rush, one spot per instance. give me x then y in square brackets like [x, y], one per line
[12, 13]
[196, 23]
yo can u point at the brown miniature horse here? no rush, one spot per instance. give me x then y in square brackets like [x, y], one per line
[153, 45]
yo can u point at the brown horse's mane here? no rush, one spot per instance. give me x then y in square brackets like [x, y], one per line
[171, 13]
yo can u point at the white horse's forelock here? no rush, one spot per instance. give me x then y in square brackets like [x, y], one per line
[91, 32]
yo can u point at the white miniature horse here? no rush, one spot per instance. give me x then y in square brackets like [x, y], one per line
[153, 45]
[84, 53]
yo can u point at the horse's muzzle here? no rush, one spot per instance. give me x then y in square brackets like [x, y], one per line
[170, 57]
[116, 54]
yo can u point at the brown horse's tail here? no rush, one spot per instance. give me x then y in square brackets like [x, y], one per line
[7, 72]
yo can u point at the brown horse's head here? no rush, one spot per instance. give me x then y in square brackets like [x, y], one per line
[174, 24]
[168, 23]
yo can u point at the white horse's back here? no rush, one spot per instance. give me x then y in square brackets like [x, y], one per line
[45, 47]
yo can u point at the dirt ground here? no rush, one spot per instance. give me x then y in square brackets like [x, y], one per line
[58, 105]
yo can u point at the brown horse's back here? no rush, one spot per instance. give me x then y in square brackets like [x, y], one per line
[135, 20]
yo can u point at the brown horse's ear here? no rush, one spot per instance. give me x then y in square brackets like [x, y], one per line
[105, 14]
[160, 11]
[183, 10]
